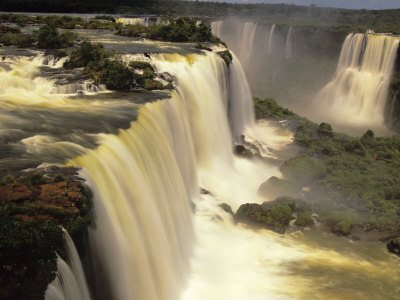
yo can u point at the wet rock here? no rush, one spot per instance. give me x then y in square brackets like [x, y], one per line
[394, 246]
[241, 150]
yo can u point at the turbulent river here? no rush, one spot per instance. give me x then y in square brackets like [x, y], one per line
[145, 156]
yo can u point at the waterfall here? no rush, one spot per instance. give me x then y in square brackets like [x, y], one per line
[145, 179]
[357, 94]
[70, 282]
[133, 21]
[247, 42]
[84, 87]
[216, 28]
[241, 111]
[288, 43]
[270, 40]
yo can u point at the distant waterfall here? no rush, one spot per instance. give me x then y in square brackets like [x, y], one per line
[216, 28]
[357, 94]
[288, 43]
[247, 42]
[270, 40]
[145, 179]
[133, 21]
[70, 283]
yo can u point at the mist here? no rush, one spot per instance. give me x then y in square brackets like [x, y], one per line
[350, 4]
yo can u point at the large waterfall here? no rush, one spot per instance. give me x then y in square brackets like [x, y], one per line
[145, 179]
[357, 94]
[156, 236]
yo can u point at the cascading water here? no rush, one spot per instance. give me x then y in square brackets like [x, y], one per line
[145, 178]
[357, 94]
[288, 43]
[70, 283]
[133, 21]
[270, 45]
[216, 28]
[246, 46]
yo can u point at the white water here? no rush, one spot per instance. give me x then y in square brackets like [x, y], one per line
[216, 28]
[270, 46]
[70, 282]
[247, 42]
[288, 43]
[357, 94]
[145, 178]
[85, 87]
[133, 21]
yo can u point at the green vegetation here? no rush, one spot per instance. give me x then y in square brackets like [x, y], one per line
[307, 16]
[27, 256]
[108, 68]
[32, 208]
[181, 29]
[276, 215]
[269, 109]
[7, 179]
[353, 181]
[227, 208]
[48, 37]
[226, 56]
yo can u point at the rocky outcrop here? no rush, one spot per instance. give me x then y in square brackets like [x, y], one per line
[275, 215]
[33, 205]
[394, 246]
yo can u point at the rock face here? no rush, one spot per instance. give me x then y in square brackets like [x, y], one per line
[59, 201]
[394, 246]
[32, 206]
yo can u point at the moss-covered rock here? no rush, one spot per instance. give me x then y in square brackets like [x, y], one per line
[274, 215]
[226, 56]
[227, 208]
[304, 169]
[275, 187]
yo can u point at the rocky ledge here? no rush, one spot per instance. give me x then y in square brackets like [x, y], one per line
[33, 206]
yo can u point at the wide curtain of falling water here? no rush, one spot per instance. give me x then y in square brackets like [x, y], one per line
[144, 179]
[358, 92]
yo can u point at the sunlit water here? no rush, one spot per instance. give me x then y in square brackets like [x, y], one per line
[149, 243]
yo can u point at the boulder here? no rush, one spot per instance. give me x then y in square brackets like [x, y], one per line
[394, 246]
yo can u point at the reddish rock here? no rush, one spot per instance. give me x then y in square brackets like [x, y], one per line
[15, 193]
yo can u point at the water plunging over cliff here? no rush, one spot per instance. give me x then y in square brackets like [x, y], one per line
[288, 43]
[145, 179]
[357, 94]
[70, 283]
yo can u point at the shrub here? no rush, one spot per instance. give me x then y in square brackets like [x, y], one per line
[37, 179]
[304, 169]
[325, 129]
[49, 38]
[113, 73]
[7, 179]
[86, 53]
[304, 219]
